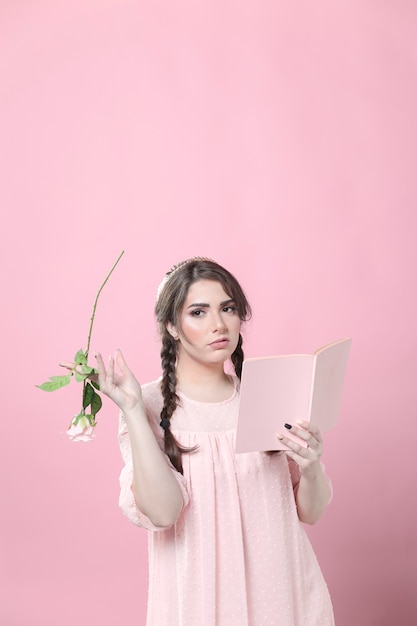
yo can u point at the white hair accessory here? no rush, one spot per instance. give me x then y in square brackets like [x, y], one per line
[175, 268]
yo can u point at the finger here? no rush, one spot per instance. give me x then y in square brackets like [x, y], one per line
[312, 428]
[67, 364]
[100, 363]
[298, 448]
[302, 433]
[120, 360]
[106, 375]
[311, 434]
[102, 374]
[110, 369]
[307, 448]
[294, 449]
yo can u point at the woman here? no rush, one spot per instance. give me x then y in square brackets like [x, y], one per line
[226, 547]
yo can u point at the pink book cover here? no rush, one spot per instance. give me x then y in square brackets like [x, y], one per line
[287, 388]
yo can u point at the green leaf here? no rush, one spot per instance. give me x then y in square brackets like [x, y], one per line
[80, 358]
[96, 404]
[88, 395]
[64, 379]
[55, 382]
[95, 385]
[86, 369]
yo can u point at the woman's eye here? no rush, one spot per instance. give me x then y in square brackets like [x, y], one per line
[229, 309]
[197, 313]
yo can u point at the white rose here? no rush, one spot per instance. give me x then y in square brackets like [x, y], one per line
[82, 431]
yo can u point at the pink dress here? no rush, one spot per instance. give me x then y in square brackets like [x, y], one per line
[238, 555]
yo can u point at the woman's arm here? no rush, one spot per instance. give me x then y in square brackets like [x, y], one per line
[313, 493]
[156, 491]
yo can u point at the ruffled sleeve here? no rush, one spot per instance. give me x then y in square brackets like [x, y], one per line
[127, 500]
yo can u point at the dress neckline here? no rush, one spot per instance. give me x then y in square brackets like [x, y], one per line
[235, 381]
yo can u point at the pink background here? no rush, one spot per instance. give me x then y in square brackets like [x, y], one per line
[279, 138]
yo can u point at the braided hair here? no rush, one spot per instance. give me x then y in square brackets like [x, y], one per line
[170, 301]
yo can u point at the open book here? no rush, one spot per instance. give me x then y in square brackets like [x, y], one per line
[287, 388]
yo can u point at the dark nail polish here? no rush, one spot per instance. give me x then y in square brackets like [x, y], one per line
[288, 426]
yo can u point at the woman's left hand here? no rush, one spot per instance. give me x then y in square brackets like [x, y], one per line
[306, 457]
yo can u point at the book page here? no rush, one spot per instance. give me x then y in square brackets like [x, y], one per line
[329, 375]
[274, 390]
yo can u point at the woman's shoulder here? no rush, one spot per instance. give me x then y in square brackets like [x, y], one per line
[154, 386]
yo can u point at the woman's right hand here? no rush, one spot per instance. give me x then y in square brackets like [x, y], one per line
[121, 387]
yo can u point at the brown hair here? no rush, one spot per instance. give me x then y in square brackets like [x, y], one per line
[170, 301]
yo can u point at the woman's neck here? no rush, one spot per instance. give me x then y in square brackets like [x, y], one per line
[204, 384]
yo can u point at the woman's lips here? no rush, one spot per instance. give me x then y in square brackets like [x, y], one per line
[219, 343]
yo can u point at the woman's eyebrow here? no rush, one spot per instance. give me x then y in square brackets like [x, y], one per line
[199, 304]
[206, 305]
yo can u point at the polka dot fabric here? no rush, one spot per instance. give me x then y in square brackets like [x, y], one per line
[238, 555]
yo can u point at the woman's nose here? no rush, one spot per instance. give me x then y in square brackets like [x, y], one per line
[219, 322]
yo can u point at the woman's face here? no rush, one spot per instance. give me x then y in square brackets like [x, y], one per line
[209, 325]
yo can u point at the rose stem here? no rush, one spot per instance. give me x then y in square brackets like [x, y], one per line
[93, 316]
[95, 303]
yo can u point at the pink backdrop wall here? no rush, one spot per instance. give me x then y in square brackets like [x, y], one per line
[279, 138]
